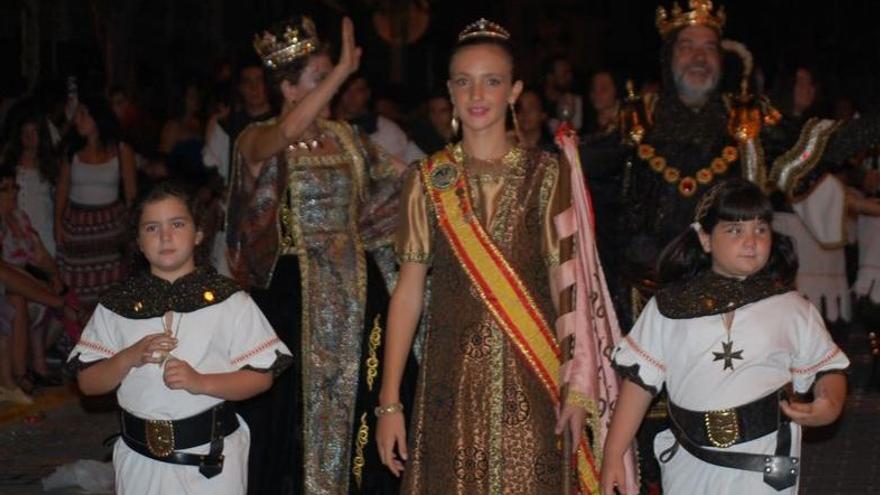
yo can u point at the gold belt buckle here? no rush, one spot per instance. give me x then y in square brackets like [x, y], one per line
[160, 437]
[722, 427]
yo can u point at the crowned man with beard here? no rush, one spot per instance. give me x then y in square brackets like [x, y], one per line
[691, 136]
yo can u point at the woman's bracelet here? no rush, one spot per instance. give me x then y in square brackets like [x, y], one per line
[380, 411]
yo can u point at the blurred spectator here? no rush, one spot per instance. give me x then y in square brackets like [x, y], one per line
[561, 103]
[210, 216]
[845, 109]
[227, 120]
[435, 131]
[21, 248]
[215, 153]
[386, 102]
[30, 152]
[532, 122]
[186, 123]
[254, 105]
[137, 129]
[90, 216]
[604, 104]
[799, 96]
[353, 105]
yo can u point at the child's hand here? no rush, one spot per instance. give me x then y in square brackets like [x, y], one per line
[613, 475]
[822, 411]
[151, 349]
[179, 375]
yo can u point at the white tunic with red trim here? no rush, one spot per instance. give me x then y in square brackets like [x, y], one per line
[224, 337]
[783, 339]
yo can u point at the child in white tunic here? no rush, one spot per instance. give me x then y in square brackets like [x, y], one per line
[726, 330]
[178, 342]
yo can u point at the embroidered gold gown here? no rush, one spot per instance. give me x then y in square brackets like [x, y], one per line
[482, 423]
[311, 235]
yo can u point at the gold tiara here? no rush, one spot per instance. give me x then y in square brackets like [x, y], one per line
[483, 29]
[296, 42]
[699, 15]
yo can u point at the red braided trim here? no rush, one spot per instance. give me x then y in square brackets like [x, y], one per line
[260, 348]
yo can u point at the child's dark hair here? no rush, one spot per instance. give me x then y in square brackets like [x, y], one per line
[163, 190]
[731, 200]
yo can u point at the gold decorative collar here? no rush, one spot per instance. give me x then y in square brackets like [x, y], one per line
[513, 156]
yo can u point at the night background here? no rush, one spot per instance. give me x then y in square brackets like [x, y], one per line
[151, 47]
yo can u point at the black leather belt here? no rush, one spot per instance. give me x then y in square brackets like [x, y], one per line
[732, 426]
[161, 439]
[728, 427]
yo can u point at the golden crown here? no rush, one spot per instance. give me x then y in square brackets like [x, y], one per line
[483, 29]
[296, 41]
[700, 14]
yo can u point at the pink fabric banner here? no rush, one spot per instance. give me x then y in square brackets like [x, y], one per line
[593, 321]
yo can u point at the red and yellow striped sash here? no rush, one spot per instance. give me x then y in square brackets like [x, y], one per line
[500, 287]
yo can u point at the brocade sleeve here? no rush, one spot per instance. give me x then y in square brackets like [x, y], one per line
[413, 242]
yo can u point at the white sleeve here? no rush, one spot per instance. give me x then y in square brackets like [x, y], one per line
[814, 351]
[98, 340]
[254, 343]
[639, 356]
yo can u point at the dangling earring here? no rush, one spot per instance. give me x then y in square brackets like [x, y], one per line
[519, 137]
[454, 124]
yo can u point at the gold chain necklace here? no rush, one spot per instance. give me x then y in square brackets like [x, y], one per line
[687, 185]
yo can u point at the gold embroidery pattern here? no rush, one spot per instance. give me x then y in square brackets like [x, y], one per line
[363, 436]
[791, 167]
[547, 385]
[591, 420]
[414, 257]
[496, 407]
[345, 135]
[551, 176]
[751, 154]
[326, 467]
[329, 160]
[373, 360]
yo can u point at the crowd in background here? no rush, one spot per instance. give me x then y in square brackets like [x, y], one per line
[74, 158]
